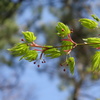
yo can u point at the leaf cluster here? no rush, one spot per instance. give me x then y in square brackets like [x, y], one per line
[22, 49]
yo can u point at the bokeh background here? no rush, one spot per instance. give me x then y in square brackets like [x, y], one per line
[22, 80]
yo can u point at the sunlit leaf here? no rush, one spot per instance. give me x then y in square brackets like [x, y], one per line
[71, 63]
[29, 36]
[66, 45]
[95, 17]
[30, 55]
[88, 23]
[19, 49]
[52, 53]
[94, 41]
[96, 61]
[62, 29]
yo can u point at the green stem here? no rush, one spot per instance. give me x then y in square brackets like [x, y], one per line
[78, 44]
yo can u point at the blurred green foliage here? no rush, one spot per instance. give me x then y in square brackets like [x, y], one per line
[7, 9]
[8, 26]
[8, 31]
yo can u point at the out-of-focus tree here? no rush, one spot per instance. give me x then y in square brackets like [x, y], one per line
[10, 77]
[8, 26]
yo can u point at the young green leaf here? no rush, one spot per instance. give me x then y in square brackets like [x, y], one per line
[52, 53]
[62, 29]
[19, 49]
[29, 36]
[96, 61]
[71, 63]
[88, 23]
[66, 45]
[94, 41]
[95, 17]
[30, 55]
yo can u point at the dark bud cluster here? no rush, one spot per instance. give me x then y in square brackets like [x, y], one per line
[43, 61]
[64, 65]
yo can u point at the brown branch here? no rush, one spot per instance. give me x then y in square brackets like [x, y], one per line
[78, 85]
